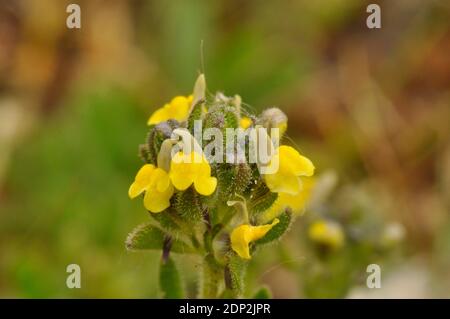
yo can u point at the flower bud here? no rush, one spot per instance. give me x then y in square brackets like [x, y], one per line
[156, 137]
[274, 118]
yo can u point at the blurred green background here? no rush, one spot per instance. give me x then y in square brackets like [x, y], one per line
[370, 108]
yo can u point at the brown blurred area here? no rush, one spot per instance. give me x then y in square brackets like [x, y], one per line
[386, 95]
[41, 57]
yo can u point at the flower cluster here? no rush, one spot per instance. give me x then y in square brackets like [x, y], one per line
[221, 210]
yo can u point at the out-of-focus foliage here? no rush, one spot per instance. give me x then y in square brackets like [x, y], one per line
[371, 105]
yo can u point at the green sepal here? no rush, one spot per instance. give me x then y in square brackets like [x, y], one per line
[195, 115]
[233, 179]
[188, 205]
[222, 116]
[144, 154]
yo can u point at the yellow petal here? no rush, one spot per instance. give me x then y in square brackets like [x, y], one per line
[156, 184]
[160, 115]
[180, 172]
[205, 185]
[141, 181]
[162, 180]
[179, 181]
[244, 234]
[190, 100]
[296, 203]
[203, 168]
[298, 164]
[156, 201]
[283, 182]
[186, 169]
[245, 122]
[177, 109]
[290, 166]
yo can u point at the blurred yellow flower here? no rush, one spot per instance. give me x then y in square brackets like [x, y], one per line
[296, 203]
[245, 122]
[242, 236]
[177, 109]
[291, 166]
[156, 184]
[327, 233]
[193, 168]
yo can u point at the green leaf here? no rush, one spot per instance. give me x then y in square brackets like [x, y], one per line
[263, 293]
[170, 280]
[278, 230]
[147, 236]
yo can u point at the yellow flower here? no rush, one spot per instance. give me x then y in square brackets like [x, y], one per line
[296, 202]
[327, 233]
[291, 166]
[245, 122]
[156, 184]
[244, 234]
[177, 109]
[193, 168]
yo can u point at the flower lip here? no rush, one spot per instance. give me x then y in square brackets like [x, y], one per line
[178, 108]
[192, 168]
[155, 182]
[291, 166]
[243, 235]
[297, 203]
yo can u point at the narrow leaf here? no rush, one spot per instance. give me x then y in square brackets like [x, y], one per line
[147, 236]
[199, 89]
[169, 280]
[278, 230]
